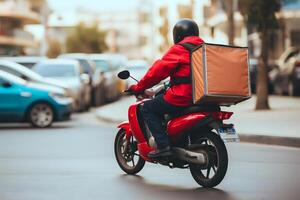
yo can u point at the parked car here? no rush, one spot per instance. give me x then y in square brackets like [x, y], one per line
[286, 76]
[253, 75]
[70, 72]
[137, 68]
[96, 77]
[27, 61]
[104, 66]
[29, 75]
[39, 104]
[117, 61]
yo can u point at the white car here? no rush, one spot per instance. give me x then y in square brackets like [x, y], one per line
[286, 76]
[27, 61]
[69, 72]
[28, 75]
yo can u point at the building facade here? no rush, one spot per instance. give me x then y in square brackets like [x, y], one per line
[14, 15]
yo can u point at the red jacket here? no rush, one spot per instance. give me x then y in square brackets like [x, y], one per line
[175, 63]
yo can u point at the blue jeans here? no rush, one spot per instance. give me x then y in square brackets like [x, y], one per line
[153, 113]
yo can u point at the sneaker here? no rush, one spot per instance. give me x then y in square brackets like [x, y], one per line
[160, 152]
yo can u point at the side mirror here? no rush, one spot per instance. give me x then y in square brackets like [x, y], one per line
[85, 78]
[124, 74]
[6, 84]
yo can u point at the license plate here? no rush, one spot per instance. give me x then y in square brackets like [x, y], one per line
[228, 134]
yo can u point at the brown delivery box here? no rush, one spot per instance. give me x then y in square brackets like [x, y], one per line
[220, 74]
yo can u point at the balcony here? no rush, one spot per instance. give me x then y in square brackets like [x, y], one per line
[18, 38]
[20, 12]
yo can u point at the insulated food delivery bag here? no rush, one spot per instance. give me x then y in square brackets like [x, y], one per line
[220, 74]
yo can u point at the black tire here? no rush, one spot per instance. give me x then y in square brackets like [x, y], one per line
[219, 164]
[41, 115]
[124, 158]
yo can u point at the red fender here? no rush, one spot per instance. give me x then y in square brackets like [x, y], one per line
[126, 126]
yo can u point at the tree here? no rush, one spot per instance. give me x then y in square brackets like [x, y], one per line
[260, 15]
[54, 49]
[164, 29]
[228, 7]
[86, 39]
[186, 11]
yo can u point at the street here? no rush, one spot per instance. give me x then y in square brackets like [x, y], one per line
[75, 160]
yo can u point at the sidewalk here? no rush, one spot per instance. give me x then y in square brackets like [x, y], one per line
[281, 125]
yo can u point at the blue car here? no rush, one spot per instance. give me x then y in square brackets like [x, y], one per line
[39, 104]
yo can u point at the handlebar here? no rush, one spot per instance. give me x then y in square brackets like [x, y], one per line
[128, 92]
[151, 92]
[154, 90]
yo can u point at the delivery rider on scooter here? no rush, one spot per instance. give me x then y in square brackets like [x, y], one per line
[176, 65]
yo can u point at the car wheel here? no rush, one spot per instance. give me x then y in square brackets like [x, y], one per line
[41, 115]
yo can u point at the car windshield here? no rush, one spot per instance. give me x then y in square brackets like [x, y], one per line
[20, 71]
[103, 65]
[11, 78]
[55, 70]
[27, 64]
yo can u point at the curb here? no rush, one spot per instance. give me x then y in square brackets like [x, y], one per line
[108, 119]
[247, 138]
[270, 140]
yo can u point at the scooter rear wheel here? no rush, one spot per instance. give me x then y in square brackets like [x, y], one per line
[213, 173]
[125, 153]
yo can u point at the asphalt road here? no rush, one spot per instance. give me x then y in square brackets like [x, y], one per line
[74, 160]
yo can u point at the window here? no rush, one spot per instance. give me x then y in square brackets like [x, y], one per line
[11, 71]
[55, 70]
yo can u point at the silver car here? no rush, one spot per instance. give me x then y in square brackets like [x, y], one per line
[69, 72]
[96, 76]
[110, 64]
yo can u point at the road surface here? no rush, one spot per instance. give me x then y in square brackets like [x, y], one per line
[75, 161]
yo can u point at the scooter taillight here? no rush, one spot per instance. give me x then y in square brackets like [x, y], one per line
[222, 115]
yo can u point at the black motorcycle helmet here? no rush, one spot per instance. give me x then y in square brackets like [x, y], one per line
[184, 28]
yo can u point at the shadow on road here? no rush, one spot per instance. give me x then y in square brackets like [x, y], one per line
[140, 185]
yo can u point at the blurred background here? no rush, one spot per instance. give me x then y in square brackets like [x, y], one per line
[103, 38]
[59, 61]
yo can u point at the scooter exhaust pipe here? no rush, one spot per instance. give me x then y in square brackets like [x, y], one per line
[190, 156]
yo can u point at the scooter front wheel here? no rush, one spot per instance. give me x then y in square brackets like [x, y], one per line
[214, 172]
[126, 154]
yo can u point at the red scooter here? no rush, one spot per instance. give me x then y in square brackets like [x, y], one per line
[197, 137]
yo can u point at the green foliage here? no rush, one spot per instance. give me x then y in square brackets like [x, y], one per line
[86, 39]
[260, 13]
[54, 49]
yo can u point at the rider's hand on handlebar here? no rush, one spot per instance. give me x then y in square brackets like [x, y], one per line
[134, 90]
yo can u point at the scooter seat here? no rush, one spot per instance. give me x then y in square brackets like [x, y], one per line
[194, 109]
